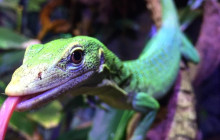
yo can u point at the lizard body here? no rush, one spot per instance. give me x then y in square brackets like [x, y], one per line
[83, 65]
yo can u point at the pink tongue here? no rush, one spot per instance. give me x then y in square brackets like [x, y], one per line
[6, 112]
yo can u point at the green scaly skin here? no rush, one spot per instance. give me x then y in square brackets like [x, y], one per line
[47, 71]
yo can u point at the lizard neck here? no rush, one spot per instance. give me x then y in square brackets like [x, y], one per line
[116, 70]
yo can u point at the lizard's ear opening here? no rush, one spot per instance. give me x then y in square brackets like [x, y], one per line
[102, 60]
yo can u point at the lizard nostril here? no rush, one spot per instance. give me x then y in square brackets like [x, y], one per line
[39, 75]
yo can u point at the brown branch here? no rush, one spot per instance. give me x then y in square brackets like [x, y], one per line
[179, 122]
[155, 7]
[184, 124]
[60, 25]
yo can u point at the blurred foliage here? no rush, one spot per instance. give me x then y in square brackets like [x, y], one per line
[11, 40]
[187, 16]
[8, 4]
[10, 60]
[2, 99]
[75, 134]
[35, 5]
[48, 116]
[20, 122]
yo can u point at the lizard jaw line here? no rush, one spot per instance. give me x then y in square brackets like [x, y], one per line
[39, 99]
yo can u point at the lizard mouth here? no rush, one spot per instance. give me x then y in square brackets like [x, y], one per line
[41, 98]
[36, 100]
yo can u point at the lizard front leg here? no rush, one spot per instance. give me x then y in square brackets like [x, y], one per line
[144, 103]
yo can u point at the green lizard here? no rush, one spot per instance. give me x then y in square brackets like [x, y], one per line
[83, 65]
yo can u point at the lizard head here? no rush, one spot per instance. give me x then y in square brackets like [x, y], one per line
[51, 69]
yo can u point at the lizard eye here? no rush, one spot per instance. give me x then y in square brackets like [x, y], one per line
[77, 56]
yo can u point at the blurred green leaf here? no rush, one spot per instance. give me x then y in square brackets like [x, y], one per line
[2, 86]
[187, 16]
[11, 40]
[10, 60]
[121, 128]
[81, 134]
[107, 123]
[2, 99]
[9, 4]
[73, 103]
[35, 5]
[65, 35]
[48, 116]
[20, 122]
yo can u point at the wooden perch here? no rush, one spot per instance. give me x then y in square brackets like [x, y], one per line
[180, 120]
[184, 124]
